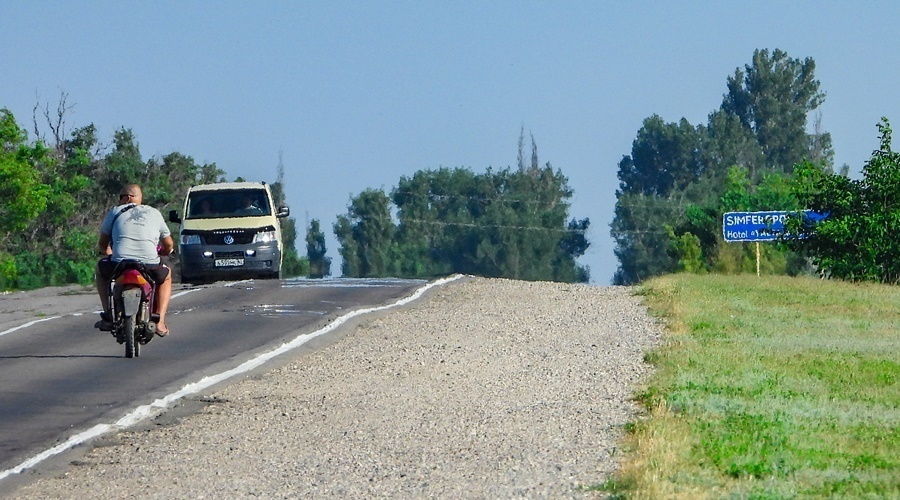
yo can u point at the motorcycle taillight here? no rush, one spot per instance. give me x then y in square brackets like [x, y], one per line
[131, 277]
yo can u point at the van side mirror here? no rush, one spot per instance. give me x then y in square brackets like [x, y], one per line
[283, 212]
[173, 217]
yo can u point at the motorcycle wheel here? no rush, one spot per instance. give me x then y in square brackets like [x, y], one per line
[132, 346]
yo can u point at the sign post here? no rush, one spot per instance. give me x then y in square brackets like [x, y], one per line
[757, 259]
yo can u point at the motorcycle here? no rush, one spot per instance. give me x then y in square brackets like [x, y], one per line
[132, 300]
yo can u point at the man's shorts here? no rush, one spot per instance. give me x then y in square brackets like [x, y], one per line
[106, 267]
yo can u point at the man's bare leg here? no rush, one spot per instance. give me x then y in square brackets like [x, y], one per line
[102, 290]
[163, 295]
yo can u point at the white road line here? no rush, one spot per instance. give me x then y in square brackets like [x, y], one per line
[156, 407]
[26, 325]
[185, 292]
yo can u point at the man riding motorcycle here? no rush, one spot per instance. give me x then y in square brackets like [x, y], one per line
[134, 231]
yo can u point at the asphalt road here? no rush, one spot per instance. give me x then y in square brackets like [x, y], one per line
[59, 376]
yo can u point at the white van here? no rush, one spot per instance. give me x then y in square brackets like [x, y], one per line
[230, 230]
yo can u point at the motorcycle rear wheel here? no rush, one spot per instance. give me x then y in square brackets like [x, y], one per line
[132, 346]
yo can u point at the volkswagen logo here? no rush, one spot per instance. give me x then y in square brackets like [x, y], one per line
[229, 239]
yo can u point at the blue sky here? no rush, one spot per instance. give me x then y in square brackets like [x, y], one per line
[357, 94]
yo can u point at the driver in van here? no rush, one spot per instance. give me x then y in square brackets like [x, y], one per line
[134, 231]
[247, 207]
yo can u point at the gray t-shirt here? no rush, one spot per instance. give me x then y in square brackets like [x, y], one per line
[135, 233]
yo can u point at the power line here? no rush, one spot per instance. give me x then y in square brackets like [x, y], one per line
[406, 221]
[497, 226]
[499, 198]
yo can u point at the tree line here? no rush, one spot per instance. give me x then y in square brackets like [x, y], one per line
[506, 223]
[56, 188]
[754, 154]
[680, 178]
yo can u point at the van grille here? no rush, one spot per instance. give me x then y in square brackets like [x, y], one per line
[241, 237]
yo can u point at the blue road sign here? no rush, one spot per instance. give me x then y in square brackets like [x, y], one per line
[759, 226]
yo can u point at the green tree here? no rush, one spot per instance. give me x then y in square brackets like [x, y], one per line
[292, 263]
[501, 224]
[367, 236]
[728, 143]
[83, 160]
[437, 212]
[664, 157]
[857, 241]
[23, 195]
[773, 97]
[80, 181]
[677, 176]
[505, 223]
[124, 164]
[57, 247]
[642, 242]
[319, 264]
[690, 256]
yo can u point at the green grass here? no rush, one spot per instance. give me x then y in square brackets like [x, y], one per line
[770, 387]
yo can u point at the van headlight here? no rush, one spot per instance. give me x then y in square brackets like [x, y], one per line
[190, 239]
[264, 237]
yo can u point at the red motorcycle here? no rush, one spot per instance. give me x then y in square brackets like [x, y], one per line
[132, 300]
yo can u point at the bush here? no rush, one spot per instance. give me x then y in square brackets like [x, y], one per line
[857, 241]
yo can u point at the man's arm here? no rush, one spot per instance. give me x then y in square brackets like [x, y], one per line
[103, 244]
[168, 245]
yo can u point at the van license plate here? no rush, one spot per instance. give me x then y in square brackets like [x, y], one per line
[229, 262]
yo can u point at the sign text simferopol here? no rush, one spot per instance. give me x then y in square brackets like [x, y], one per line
[754, 226]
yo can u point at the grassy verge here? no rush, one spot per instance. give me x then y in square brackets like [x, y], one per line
[769, 387]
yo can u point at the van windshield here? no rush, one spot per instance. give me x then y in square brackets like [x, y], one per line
[227, 203]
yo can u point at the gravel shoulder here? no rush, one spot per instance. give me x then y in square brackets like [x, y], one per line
[483, 388]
